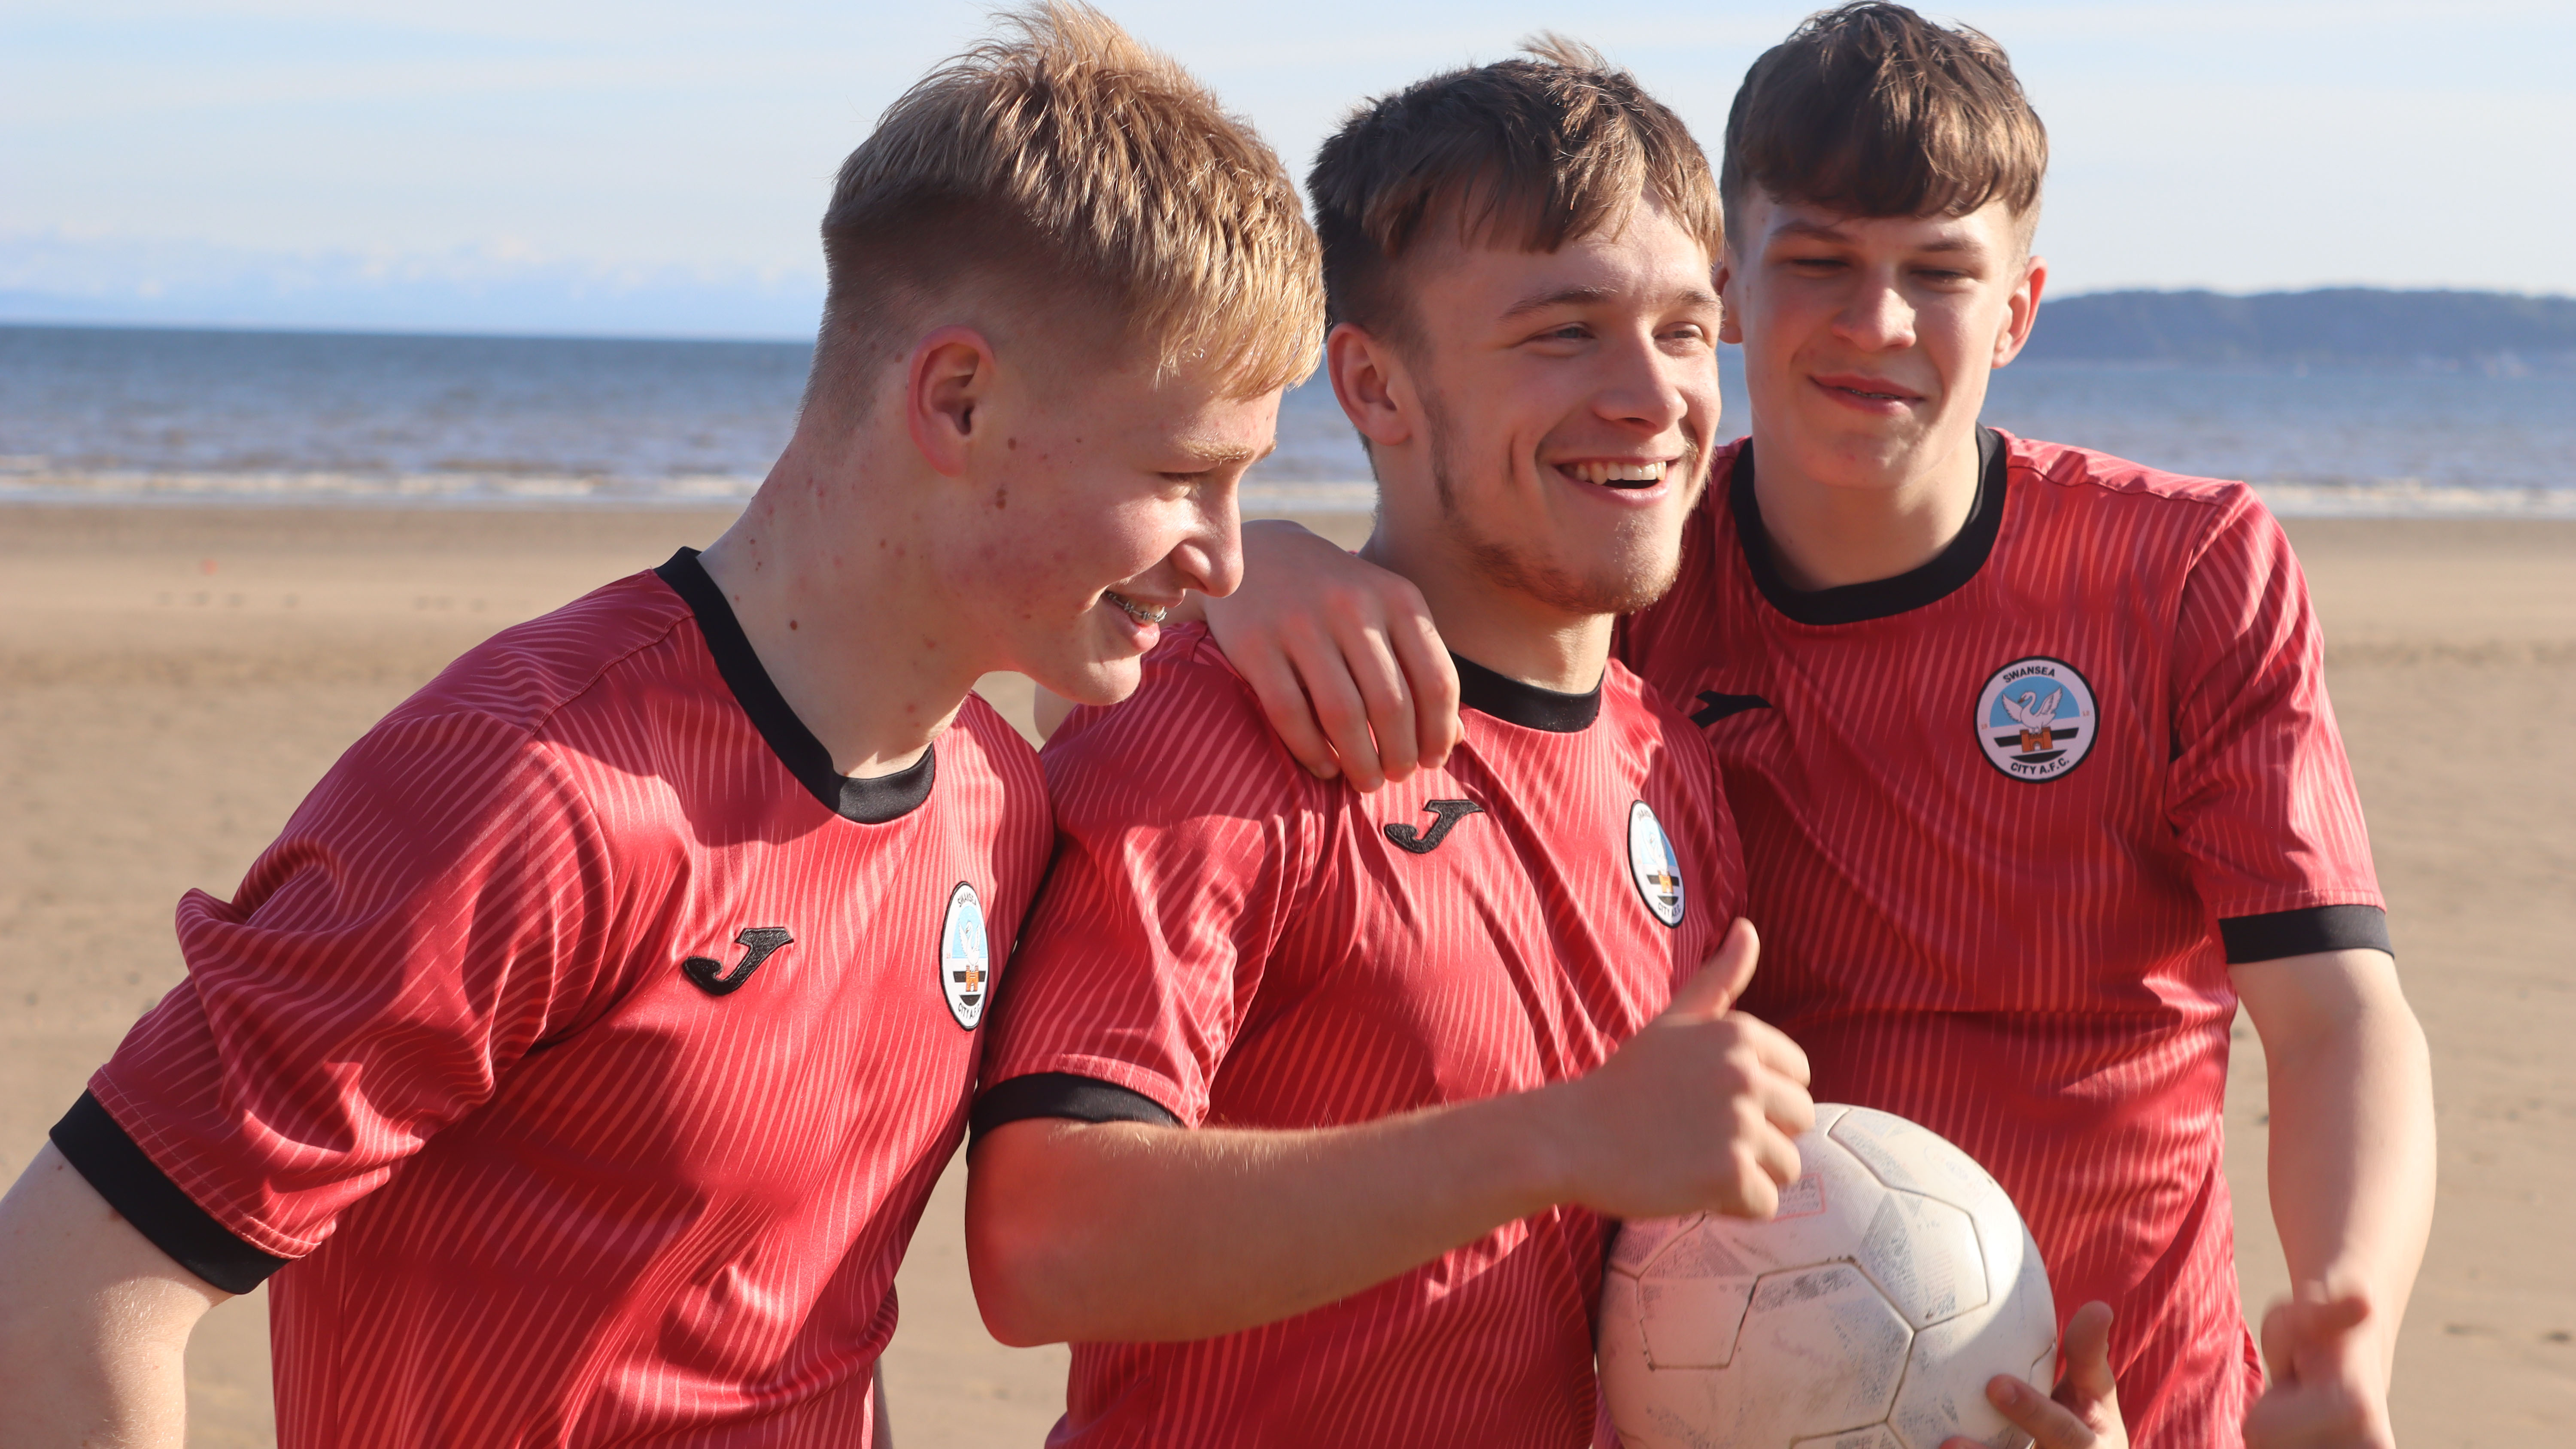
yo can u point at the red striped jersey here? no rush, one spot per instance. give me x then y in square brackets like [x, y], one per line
[2010, 818]
[1225, 939]
[584, 1051]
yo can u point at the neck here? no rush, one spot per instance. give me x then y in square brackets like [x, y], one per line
[1825, 535]
[1503, 629]
[839, 597]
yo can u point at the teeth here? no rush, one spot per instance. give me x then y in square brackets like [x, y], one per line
[1153, 615]
[1616, 472]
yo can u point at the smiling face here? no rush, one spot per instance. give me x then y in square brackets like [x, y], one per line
[1549, 418]
[1097, 500]
[1868, 340]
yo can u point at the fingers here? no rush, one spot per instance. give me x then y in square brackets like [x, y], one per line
[1787, 1106]
[2319, 1396]
[1721, 978]
[1273, 683]
[2307, 1419]
[1323, 666]
[2089, 1380]
[1336, 650]
[1434, 680]
[1361, 637]
[2051, 1425]
[2307, 1327]
[1775, 1158]
[1774, 1050]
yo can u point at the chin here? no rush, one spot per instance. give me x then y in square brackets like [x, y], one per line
[1094, 681]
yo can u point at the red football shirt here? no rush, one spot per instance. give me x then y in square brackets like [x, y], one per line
[585, 1048]
[2009, 819]
[1225, 939]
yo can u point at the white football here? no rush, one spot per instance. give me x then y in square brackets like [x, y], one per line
[1868, 1314]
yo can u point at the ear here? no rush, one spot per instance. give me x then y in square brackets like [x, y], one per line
[2022, 311]
[950, 374]
[1368, 380]
[1727, 331]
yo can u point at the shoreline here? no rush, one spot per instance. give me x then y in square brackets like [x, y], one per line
[2385, 499]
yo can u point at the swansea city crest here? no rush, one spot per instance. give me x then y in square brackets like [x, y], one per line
[2035, 718]
[965, 962]
[1653, 865]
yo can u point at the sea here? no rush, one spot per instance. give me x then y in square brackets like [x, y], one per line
[243, 418]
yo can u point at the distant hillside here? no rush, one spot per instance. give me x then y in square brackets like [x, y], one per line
[2333, 326]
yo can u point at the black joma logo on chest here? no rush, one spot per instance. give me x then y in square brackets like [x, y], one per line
[1715, 706]
[1450, 813]
[757, 943]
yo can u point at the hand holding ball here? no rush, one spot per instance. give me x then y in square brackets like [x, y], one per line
[1868, 1313]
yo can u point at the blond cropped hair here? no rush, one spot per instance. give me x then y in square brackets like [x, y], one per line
[1063, 166]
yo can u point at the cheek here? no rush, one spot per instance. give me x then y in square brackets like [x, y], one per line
[1102, 531]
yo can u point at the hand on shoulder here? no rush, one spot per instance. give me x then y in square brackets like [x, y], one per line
[1342, 655]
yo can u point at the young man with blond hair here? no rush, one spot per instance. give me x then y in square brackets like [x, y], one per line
[1307, 1110]
[2030, 747]
[580, 1058]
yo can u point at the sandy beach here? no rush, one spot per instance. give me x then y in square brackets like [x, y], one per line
[173, 679]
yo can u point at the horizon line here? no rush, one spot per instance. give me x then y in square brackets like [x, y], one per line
[326, 329]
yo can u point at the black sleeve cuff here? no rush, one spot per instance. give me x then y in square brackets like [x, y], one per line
[101, 1151]
[1062, 1094]
[2297, 933]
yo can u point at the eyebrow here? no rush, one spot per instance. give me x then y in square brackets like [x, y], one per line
[1215, 454]
[1586, 296]
[1827, 231]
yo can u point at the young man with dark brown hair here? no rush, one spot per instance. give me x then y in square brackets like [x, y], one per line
[1306, 1110]
[2030, 747]
[581, 1056]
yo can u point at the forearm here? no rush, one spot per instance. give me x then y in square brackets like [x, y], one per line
[2352, 1161]
[94, 1320]
[1119, 1232]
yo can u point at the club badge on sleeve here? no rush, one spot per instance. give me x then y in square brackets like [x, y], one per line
[1653, 865]
[965, 962]
[2035, 718]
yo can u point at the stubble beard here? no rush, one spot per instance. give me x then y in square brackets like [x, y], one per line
[1618, 587]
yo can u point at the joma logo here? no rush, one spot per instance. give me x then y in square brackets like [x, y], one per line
[757, 943]
[1450, 813]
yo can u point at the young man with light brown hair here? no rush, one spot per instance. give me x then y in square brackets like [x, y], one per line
[1306, 1110]
[580, 1058]
[2030, 747]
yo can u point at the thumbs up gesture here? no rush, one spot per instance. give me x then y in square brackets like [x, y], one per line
[1696, 1112]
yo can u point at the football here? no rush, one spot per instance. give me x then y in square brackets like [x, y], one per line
[1869, 1313]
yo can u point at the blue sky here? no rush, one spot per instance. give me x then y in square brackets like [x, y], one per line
[655, 167]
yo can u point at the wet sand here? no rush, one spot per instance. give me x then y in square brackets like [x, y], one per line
[173, 679]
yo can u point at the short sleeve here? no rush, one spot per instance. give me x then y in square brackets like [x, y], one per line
[2262, 798]
[428, 915]
[1184, 837]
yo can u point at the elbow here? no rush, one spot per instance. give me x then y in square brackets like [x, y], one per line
[1017, 1252]
[1012, 1305]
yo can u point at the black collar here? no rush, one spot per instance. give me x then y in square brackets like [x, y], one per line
[1946, 574]
[872, 801]
[1513, 702]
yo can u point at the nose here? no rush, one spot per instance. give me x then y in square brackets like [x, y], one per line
[1646, 388]
[1876, 317]
[1209, 557]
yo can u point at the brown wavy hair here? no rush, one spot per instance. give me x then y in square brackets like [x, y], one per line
[1530, 153]
[1871, 110]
